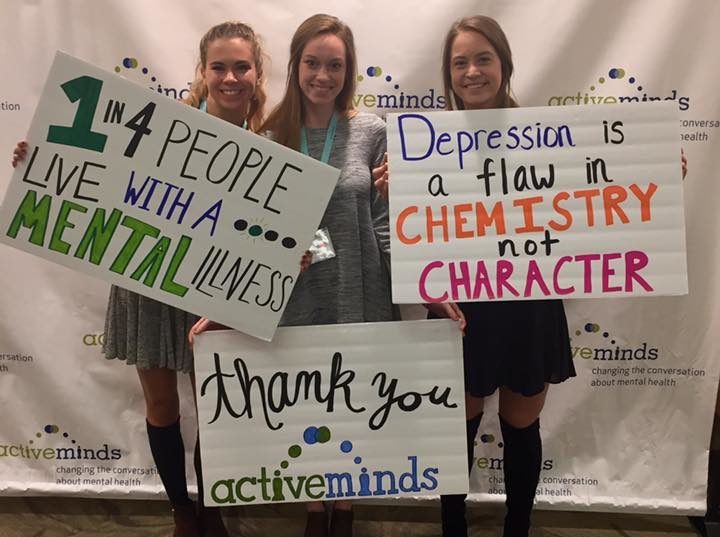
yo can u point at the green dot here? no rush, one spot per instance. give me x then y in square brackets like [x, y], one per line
[294, 451]
[577, 332]
[360, 78]
[596, 328]
[378, 71]
[323, 435]
[254, 231]
[284, 464]
[601, 80]
[38, 435]
[592, 88]
[117, 69]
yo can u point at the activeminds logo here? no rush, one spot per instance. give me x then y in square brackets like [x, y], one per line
[488, 441]
[597, 344]
[378, 90]
[617, 86]
[132, 69]
[273, 486]
[51, 443]
[91, 340]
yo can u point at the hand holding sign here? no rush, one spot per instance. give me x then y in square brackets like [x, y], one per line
[163, 200]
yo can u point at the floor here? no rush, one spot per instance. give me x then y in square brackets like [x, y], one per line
[61, 517]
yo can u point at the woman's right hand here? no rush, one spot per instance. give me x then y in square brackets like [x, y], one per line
[448, 310]
[19, 153]
[203, 325]
[380, 178]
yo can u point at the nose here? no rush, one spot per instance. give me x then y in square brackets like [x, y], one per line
[474, 70]
[230, 76]
[322, 73]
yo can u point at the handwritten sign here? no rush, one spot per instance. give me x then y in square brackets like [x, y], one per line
[533, 203]
[163, 199]
[332, 412]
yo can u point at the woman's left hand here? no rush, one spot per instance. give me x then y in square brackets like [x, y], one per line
[305, 261]
[448, 310]
[683, 163]
[380, 178]
[203, 325]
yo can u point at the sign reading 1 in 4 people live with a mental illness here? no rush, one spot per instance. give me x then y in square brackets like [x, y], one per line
[346, 411]
[534, 203]
[163, 199]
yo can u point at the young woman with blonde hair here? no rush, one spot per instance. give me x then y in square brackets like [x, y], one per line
[152, 335]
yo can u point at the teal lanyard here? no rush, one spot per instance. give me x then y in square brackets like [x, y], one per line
[329, 139]
[203, 108]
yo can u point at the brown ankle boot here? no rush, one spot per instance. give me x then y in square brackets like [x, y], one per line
[341, 523]
[211, 522]
[316, 524]
[186, 521]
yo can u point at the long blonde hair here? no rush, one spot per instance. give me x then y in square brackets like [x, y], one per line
[286, 119]
[491, 30]
[229, 30]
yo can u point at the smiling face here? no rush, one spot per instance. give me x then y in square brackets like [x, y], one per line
[322, 68]
[230, 75]
[475, 70]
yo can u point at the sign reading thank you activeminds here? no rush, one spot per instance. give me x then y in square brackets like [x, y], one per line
[332, 412]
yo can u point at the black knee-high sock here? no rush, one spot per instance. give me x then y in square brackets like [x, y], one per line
[522, 456]
[452, 506]
[168, 451]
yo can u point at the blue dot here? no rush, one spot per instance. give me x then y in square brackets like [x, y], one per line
[397, 86]
[631, 80]
[371, 71]
[639, 88]
[346, 446]
[48, 428]
[310, 435]
[388, 78]
[145, 70]
[589, 327]
[605, 334]
[357, 460]
[153, 79]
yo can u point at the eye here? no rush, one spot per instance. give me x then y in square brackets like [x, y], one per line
[310, 62]
[459, 63]
[336, 66]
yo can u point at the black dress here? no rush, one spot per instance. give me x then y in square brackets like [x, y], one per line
[520, 345]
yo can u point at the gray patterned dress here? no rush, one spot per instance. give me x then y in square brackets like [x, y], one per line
[354, 286]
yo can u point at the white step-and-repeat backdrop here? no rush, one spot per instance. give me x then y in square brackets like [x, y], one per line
[630, 433]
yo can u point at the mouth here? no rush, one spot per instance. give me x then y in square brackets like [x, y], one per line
[475, 85]
[231, 91]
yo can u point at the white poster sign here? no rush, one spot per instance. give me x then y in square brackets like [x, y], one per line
[163, 199]
[534, 203]
[332, 412]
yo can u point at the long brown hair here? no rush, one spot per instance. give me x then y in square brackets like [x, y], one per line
[491, 30]
[229, 30]
[285, 121]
